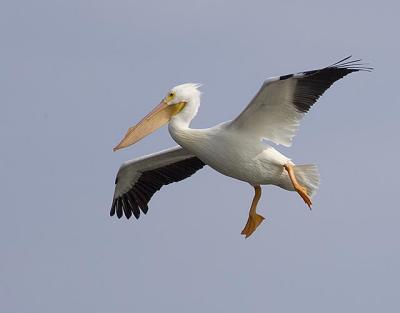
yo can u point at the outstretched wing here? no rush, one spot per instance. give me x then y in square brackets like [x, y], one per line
[276, 110]
[137, 180]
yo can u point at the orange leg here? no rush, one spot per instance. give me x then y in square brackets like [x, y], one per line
[254, 219]
[302, 191]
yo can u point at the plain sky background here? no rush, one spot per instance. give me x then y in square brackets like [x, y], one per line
[74, 75]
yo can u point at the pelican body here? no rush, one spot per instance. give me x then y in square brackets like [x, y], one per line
[235, 148]
[233, 154]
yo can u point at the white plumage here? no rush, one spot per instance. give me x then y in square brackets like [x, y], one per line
[234, 148]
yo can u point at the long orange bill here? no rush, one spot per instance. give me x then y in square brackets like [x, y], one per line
[158, 117]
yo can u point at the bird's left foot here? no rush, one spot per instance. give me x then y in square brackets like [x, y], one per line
[252, 223]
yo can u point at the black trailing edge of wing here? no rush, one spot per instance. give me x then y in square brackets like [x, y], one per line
[312, 84]
[137, 198]
[285, 76]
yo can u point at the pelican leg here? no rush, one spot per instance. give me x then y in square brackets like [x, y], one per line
[301, 190]
[254, 219]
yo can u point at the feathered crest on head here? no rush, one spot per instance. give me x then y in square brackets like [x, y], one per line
[190, 85]
[187, 89]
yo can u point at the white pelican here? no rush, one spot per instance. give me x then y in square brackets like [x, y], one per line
[234, 148]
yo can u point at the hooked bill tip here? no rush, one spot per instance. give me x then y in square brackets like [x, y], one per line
[117, 147]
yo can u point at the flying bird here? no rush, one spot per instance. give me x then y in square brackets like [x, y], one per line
[235, 148]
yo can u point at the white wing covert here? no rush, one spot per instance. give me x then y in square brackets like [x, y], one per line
[137, 180]
[276, 110]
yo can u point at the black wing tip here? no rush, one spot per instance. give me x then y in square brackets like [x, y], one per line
[314, 83]
[112, 211]
[351, 65]
[345, 65]
[339, 69]
[136, 200]
[125, 206]
[131, 203]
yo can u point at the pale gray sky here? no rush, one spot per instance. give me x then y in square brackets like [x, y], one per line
[74, 75]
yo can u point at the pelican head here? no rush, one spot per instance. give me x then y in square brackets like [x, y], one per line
[171, 105]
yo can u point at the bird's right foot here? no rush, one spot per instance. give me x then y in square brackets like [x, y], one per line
[302, 191]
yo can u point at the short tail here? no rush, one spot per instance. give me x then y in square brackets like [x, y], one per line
[308, 176]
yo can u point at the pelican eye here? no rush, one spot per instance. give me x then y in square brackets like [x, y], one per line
[169, 96]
